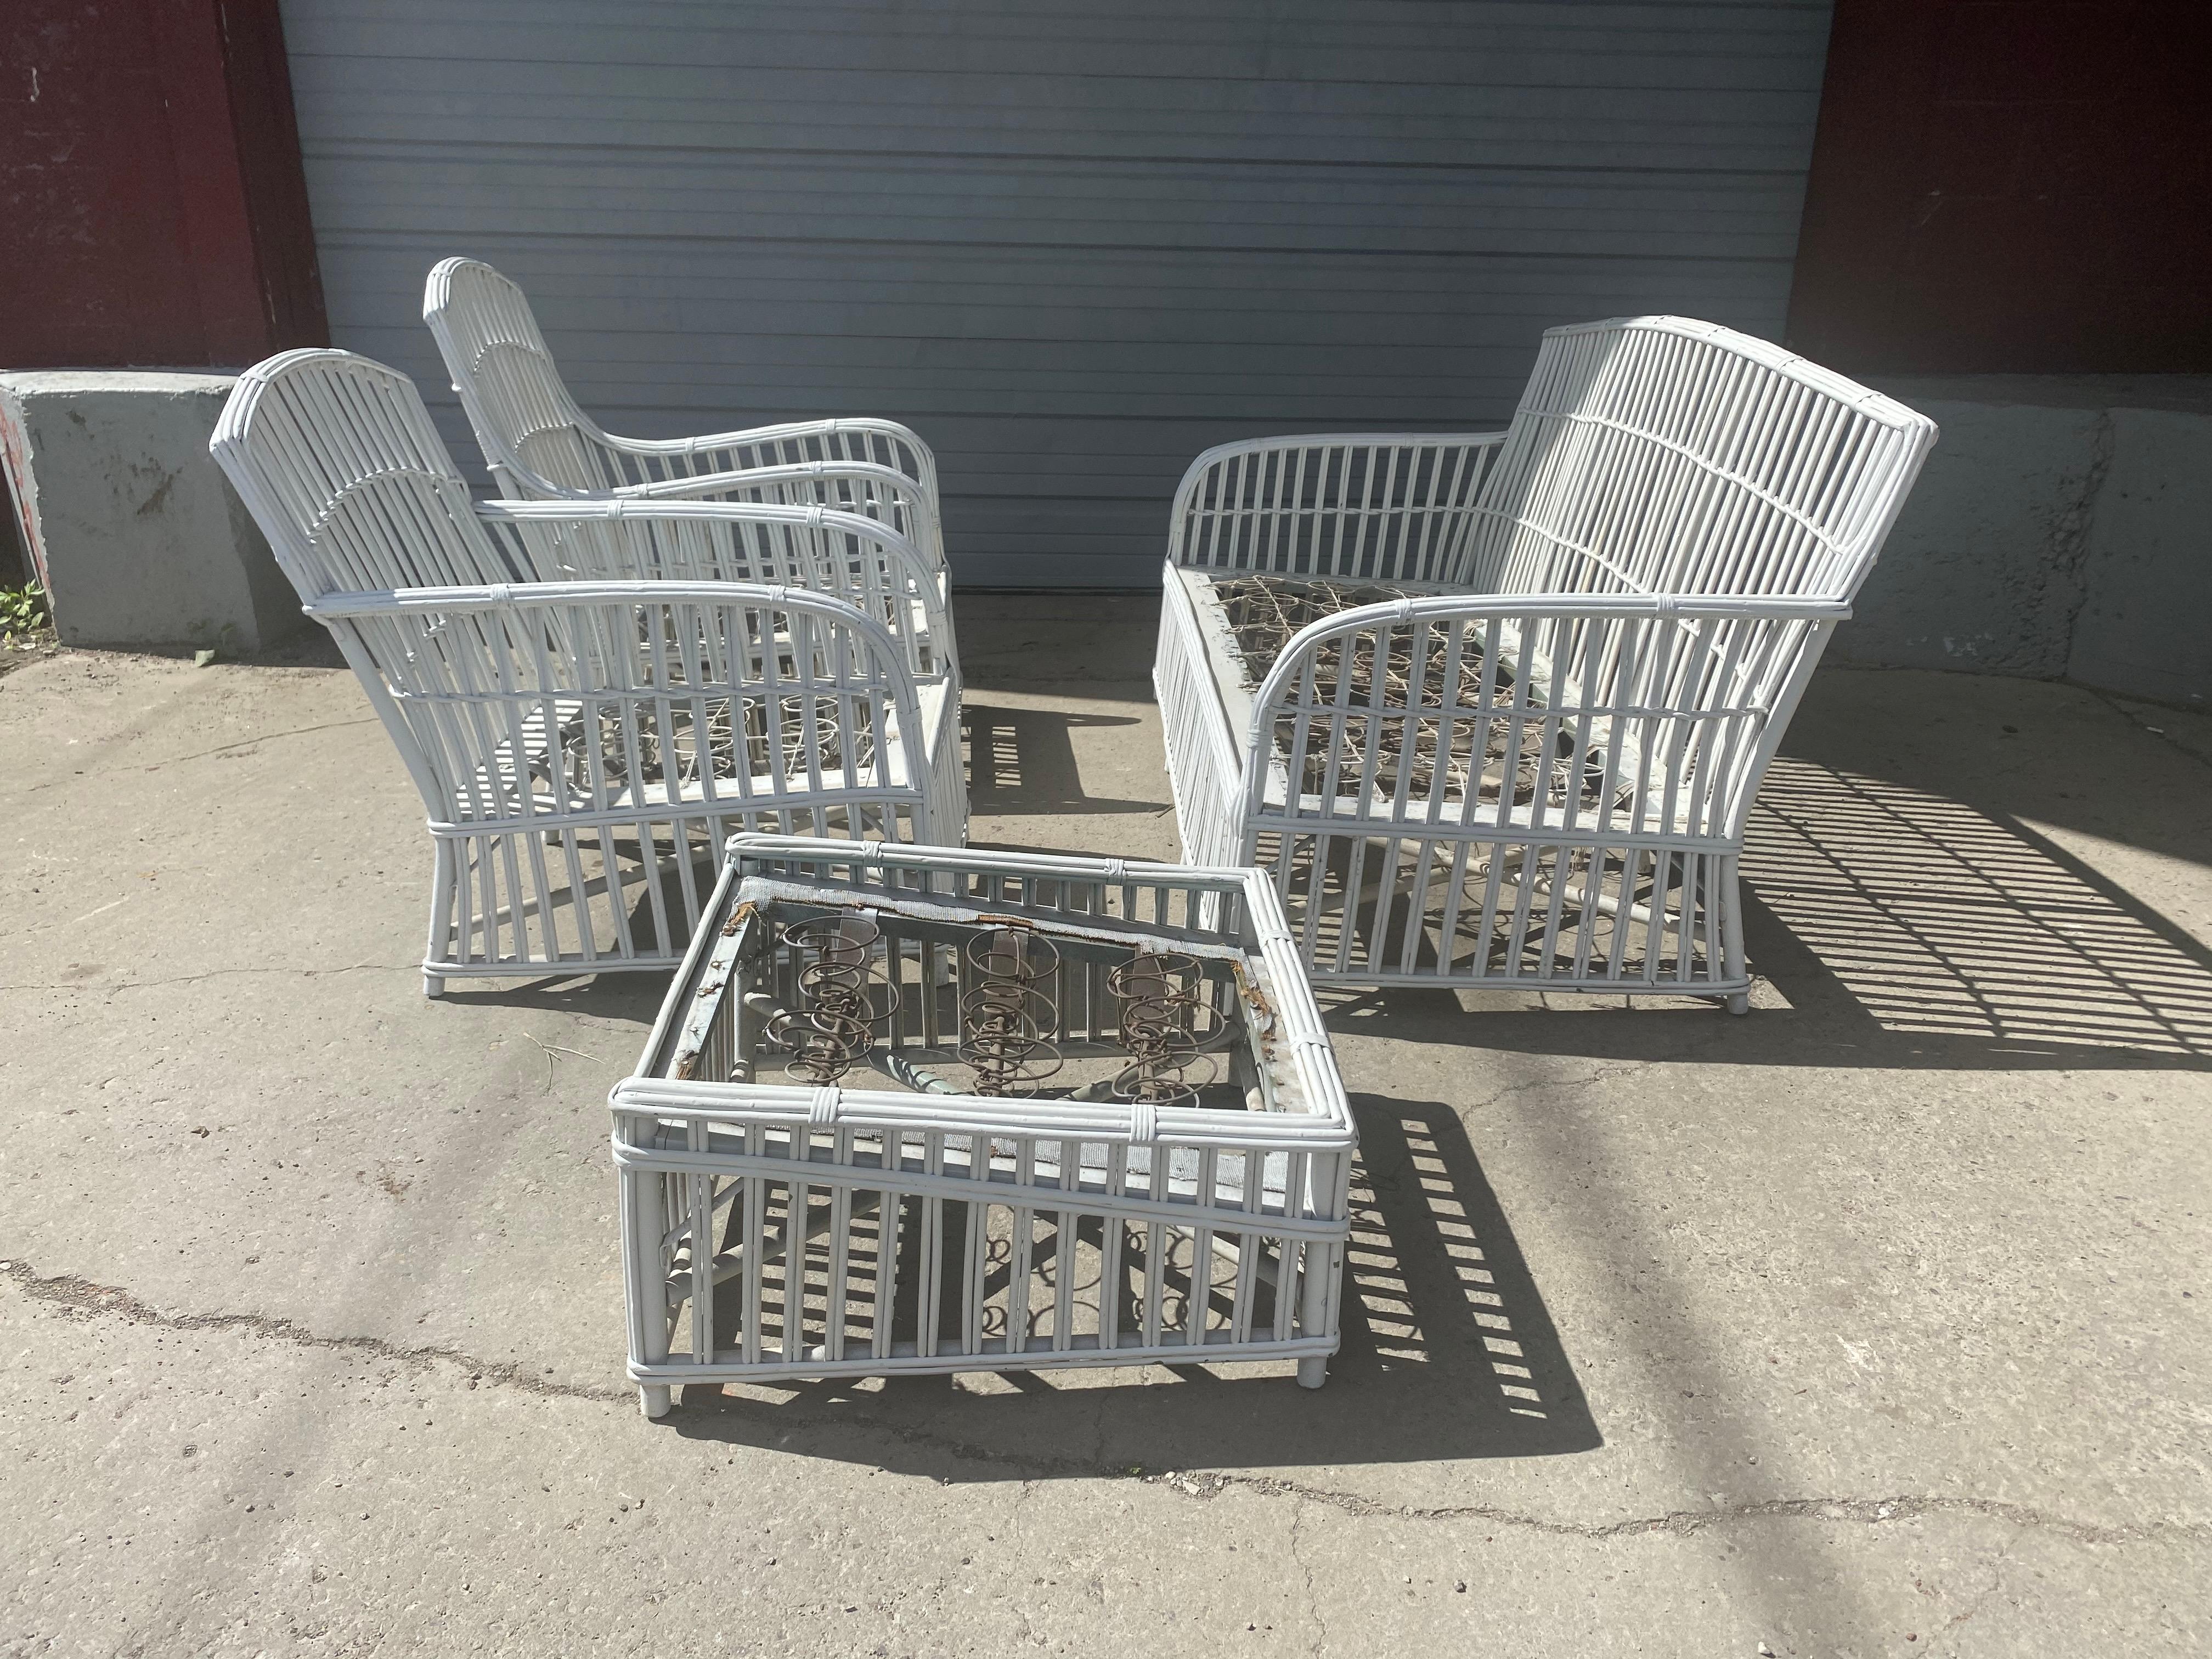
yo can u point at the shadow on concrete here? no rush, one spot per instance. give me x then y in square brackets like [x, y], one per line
[1022, 760]
[1449, 1352]
[634, 995]
[2046, 752]
[1905, 930]
[1962, 929]
[635, 998]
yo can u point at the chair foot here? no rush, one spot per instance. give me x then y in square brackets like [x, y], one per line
[1312, 1373]
[1740, 1003]
[433, 985]
[655, 1402]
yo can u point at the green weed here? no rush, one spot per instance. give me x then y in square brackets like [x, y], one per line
[22, 616]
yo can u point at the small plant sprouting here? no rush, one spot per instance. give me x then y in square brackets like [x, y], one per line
[22, 616]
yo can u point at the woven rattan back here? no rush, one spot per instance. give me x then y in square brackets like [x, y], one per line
[534, 437]
[1660, 455]
[336, 457]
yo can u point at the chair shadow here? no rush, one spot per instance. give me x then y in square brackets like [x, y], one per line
[1449, 1352]
[1022, 760]
[1905, 930]
[635, 998]
[634, 995]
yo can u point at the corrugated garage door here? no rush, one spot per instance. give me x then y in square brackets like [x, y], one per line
[1072, 245]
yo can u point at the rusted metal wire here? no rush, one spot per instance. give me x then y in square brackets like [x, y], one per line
[841, 987]
[1486, 758]
[832, 1027]
[783, 737]
[1007, 1010]
[1265, 612]
[1167, 1021]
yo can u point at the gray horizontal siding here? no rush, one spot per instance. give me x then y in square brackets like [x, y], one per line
[1072, 246]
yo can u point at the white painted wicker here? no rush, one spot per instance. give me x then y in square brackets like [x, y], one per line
[330, 422]
[586, 719]
[776, 1229]
[538, 442]
[1521, 750]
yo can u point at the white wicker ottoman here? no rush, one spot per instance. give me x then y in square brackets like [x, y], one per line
[925, 1110]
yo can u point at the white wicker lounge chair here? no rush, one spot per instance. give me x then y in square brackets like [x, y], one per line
[538, 442]
[1493, 708]
[586, 703]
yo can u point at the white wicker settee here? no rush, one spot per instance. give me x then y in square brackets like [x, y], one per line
[1493, 708]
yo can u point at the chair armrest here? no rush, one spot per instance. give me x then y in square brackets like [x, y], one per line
[522, 596]
[1778, 606]
[647, 509]
[497, 596]
[534, 609]
[1611, 696]
[1531, 610]
[544, 537]
[900, 488]
[725, 452]
[1379, 505]
[704, 485]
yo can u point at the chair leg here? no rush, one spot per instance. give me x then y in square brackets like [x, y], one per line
[442, 895]
[1317, 1274]
[643, 1200]
[1733, 964]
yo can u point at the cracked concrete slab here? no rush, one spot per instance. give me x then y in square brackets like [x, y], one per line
[1871, 1322]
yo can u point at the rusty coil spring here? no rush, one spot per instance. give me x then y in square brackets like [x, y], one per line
[1007, 1010]
[1167, 1021]
[834, 1026]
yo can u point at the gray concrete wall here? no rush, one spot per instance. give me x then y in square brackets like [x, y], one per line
[2145, 622]
[136, 535]
[2062, 529]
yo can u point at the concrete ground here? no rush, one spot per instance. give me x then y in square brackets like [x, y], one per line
[1874, 1322]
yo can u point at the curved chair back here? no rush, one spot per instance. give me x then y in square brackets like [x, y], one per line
[538, 442]
[535, 439]
[336, 457]
[1660, 455]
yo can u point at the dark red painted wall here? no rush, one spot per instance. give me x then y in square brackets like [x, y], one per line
[152, 208]
[2011, 186]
